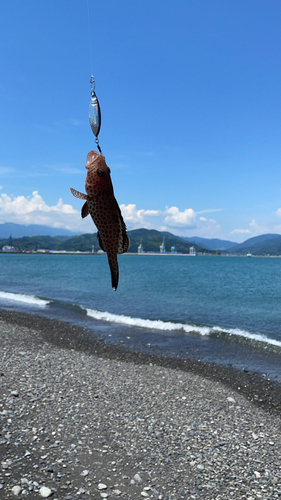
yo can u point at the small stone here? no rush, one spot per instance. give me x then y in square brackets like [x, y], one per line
[255, 436]
[231, 400]
[200, 467]
[16, 490]
[102, 486]
[15, 394]
[45, 492]
[104, 495]
[24, 480]
[144, 494]
[137, 478]
[257, 474]
[84, 473]
[117, 492]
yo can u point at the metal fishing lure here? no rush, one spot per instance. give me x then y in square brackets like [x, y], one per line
[94, 113]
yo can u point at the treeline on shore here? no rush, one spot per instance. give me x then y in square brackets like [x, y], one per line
[267, 244]
[150, 239]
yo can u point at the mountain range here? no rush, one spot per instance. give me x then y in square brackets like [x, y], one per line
[19, 230]
[211, 244]
[36, 237]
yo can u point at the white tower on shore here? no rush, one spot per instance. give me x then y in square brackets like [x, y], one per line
[140, 247]
[162, 247]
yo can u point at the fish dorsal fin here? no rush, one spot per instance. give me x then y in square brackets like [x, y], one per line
[85, 210]
[125, 240]
[100, 241]
[79, 195]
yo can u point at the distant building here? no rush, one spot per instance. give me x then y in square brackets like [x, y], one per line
[192, 251]
[9, 249]
[162, 247]
[93, 248]
[174, 249]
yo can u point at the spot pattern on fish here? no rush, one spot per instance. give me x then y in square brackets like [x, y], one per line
[102, 206]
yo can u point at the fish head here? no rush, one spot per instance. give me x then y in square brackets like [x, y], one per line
[98, 178]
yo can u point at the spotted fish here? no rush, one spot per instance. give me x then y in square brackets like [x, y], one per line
[103, 208]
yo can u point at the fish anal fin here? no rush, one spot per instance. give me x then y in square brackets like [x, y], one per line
[100, 241]
[79, 195]
[85, 210]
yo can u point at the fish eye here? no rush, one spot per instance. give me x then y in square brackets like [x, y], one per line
[100, 172]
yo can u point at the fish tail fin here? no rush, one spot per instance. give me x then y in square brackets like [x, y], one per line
[113, 264]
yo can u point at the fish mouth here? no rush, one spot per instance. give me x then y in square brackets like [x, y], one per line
[91, 165]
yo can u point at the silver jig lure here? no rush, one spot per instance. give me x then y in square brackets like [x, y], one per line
[94, 113]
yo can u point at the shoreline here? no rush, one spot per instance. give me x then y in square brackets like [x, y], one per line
[258, 389]
[82, 419]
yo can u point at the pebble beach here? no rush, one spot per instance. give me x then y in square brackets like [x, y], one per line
[81, 419]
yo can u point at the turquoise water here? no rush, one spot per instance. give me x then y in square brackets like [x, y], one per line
[201, 305]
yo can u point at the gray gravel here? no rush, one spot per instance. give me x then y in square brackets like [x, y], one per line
[76, 425]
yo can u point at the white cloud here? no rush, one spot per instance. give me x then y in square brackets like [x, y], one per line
[175, 218]
[278, 212]
[254, 229]
[34, 209]
[170, 219]
[258, 228]
[135, 218]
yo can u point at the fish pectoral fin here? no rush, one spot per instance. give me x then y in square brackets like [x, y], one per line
[100, 242]
[79, 195]
[85, 210]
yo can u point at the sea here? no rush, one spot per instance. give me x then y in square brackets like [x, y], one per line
[225, 310]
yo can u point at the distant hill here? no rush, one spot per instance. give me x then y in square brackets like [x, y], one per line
[151, 241]
[19, 230]
[35, 242]
[265, 244]
[211, 244]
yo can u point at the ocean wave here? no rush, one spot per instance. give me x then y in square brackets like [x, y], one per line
[187, 328]
[146, 323]
[257, 337]
[27, 299]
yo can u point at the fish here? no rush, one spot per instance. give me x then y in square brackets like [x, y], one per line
[101, 205]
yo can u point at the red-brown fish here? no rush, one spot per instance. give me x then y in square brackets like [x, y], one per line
[105, 212]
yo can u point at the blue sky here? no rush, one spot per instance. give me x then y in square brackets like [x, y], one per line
[191, 112]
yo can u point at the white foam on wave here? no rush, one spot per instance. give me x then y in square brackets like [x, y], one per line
[147, 323]
[21, 297]
[169, 326]
[252, 336]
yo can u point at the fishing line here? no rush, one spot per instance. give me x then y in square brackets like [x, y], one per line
[94, 107]
[90, 38]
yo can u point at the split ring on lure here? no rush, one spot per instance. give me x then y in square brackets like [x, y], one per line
[94, 112]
